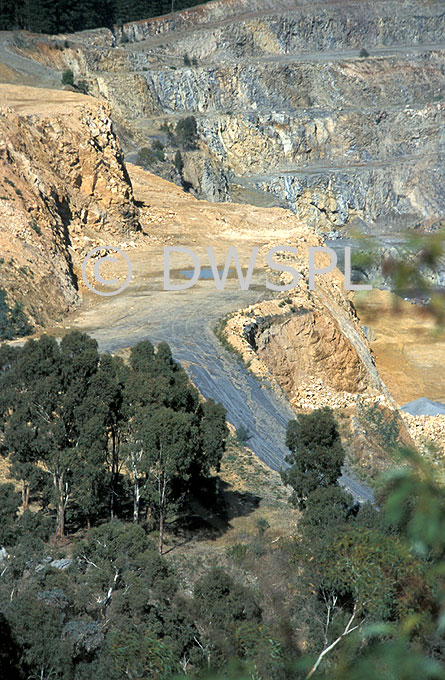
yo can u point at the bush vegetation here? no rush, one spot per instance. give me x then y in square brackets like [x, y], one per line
[68, 77]
[107, 452]
[13, 321]
[41, 16]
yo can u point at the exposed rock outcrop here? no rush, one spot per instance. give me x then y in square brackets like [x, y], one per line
[63, 183]
[308, 337]
[285, 105]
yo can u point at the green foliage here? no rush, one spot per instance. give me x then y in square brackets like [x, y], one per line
[43, 16]
[219, 598]
[187, 61]
[219, 332]
[145, 157]
[158, 149]
[378, 572]
[9, 652]
[167, 130]
[262, 526]
[149, 156]
[408, 274]
[82, 86]
[214, 432]
[9, 505]
[415, 504]
[36, 228]
[327, 508]
[138, 654]
[221, 605]
[171, 441]
[13, 322]
[364, 53]
[68, 77]
[120, 610]
[123, 549]
[96, 412]
[238, 552]
[385, 426]
[382, 651]
[186, 132]
[364, 259]
[60, 379]
[36, 625]
[316, 456]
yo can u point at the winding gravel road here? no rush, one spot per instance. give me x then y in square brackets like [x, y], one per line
[186, 320]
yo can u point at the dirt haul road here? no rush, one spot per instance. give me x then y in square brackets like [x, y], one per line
[186, 319]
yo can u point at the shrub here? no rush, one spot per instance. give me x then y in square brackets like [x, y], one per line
[13, 322]
[145, 157]
[257, 549]
[158, 150]
[82, 86]
[68, 77]
[186, 131]
[9, 505]
[364, 53]
[221, 601]
[385, 425]
[187, 61]
[327, 508]
[237, 552]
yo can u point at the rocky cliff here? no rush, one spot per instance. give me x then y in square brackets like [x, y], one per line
[308, 339]
[64, 187]
[334, 109]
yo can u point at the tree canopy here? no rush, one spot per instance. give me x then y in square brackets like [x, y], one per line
[77, 425]
[316, 454]
[63, 16]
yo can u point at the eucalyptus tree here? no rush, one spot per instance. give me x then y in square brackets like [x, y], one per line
[52, 419]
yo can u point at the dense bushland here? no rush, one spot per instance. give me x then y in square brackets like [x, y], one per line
[105, 453]
[63, 16]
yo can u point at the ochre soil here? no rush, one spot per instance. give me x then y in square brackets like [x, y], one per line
[409, 348]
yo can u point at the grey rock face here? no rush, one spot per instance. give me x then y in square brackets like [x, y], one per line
[286, 107]
[207, 179]
[61, 564]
